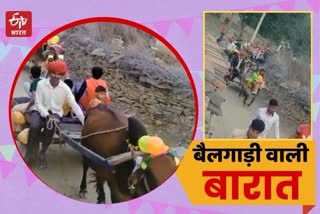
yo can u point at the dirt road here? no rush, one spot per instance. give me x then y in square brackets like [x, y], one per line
[235, 115]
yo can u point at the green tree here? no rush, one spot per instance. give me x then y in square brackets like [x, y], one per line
[294, 27]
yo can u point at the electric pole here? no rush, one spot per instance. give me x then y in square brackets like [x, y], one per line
[257, 28]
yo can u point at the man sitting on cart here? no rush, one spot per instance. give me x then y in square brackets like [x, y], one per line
[236, 64]
[49, 99]
[87, 91]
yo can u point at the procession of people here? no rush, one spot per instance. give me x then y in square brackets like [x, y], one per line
[245, 62]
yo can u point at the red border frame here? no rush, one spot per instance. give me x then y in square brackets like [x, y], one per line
[87, 21]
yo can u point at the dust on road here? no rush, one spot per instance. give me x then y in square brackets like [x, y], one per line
[237, 116]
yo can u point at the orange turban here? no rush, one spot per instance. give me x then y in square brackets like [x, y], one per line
[58, 67]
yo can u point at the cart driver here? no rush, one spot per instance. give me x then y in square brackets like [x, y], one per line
[49, 99]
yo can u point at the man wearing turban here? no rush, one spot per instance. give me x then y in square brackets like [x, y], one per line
[49, 99]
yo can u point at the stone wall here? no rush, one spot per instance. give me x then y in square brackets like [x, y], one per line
[140, 83]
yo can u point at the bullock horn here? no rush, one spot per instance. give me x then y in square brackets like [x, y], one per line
[124, 157]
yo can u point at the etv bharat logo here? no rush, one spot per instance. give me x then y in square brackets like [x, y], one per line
[18, 23]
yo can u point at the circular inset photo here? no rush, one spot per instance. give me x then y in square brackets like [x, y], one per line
[102, 110]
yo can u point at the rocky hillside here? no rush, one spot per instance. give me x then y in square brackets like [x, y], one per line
[144, 78]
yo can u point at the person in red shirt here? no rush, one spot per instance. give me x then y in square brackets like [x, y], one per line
[87, 90]
[303, 131]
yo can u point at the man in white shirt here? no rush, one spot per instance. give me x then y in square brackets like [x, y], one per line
[230, 48]
[269, 117]
[49, 99]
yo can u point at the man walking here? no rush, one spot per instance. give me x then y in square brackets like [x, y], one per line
[269, 117]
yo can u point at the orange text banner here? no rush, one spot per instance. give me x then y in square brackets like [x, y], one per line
[242, 172]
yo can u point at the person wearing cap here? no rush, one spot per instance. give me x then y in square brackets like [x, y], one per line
[303, 132]
[51, 55]
[255, 129]
[269, 117]
[49, 99]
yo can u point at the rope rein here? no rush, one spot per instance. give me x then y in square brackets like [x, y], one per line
[103, 132]
[53, 123]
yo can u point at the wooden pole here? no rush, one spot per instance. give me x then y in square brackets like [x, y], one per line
[257, 28]
[124, 157]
